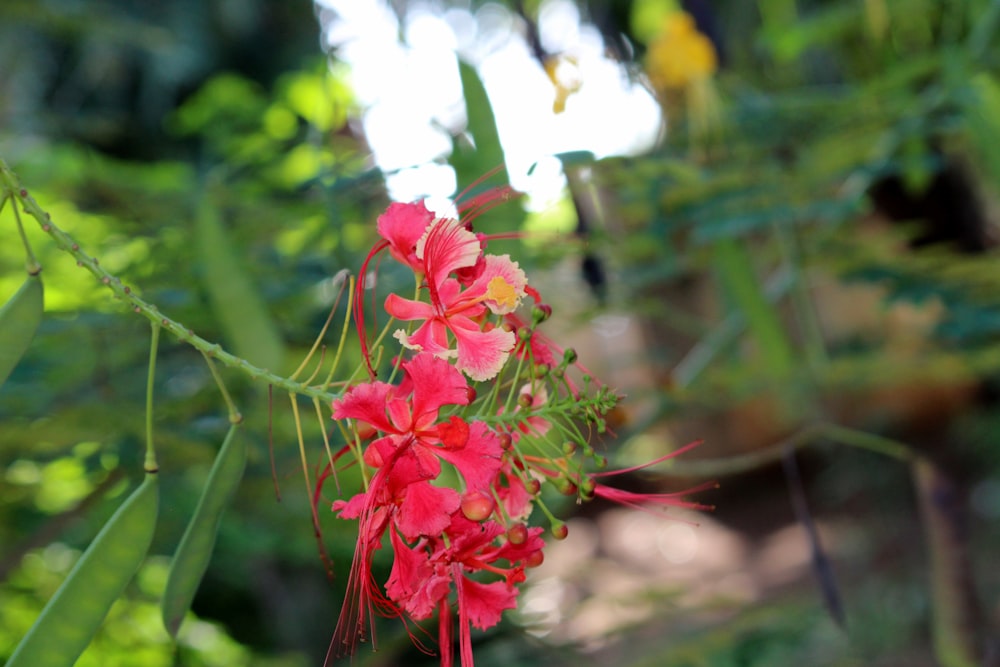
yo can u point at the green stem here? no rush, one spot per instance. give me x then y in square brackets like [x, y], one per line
[807, 435]
[154, 344]
[32, 265]
[875, 443]
[343, 333]
[68, 244]
[954, 608]
[234, 414]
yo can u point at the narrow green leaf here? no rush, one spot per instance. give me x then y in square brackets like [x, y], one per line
[485, 153]
[195, 548]
[19, 320]
[984, 126]
[740, 281]
[73, 615]
[243, 317]
[478, 157]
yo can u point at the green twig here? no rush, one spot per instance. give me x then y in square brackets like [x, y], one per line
[154, 343]
[32, 265]
[234, 414]
[807, 435]
[955, 611]
[68, 244]
[875, 443]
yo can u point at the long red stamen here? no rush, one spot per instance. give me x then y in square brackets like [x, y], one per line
[363, 598]
[326, 472]
[640, 500]
[464, 631]
[445, 637]
[665, 457]
[359, 305]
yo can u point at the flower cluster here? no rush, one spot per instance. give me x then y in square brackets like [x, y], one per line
[478, 414]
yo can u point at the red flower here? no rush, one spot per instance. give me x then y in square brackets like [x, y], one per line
[424, 574]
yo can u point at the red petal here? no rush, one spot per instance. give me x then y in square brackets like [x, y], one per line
[435, 383]
[484, 604]
[479, 460]
[407, 309]
[411, 568]
[447, 246]
[481, 354]
[426, 510]
[402, 225]
[366, 402]
[453, 433]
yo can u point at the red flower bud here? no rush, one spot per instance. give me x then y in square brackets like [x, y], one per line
[477, 506]
[506, 441]
[517, 533]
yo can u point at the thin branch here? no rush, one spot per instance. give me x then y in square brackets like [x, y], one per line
[68, 244]
[807, 435]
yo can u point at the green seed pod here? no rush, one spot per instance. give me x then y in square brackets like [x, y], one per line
[195, 548]
[75, 613]
[19, 320]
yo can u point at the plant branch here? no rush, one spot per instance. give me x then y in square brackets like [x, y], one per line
[65, 242]
[955, 609]
[805, 436]
[150, 465]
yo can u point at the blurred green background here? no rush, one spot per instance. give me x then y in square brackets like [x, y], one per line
[771, 226]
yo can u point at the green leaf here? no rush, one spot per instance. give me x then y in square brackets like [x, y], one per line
[478, 157]
[736, 272]
[195, 548]
[19, 320]
[984, 127]
[244, 319]
[73, 615]
[479, 152]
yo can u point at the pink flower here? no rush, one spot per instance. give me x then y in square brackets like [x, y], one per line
[480, 351]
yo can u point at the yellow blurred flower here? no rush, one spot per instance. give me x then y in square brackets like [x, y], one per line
[679, 55]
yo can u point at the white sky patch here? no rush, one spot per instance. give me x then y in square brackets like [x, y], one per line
[412, 96]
